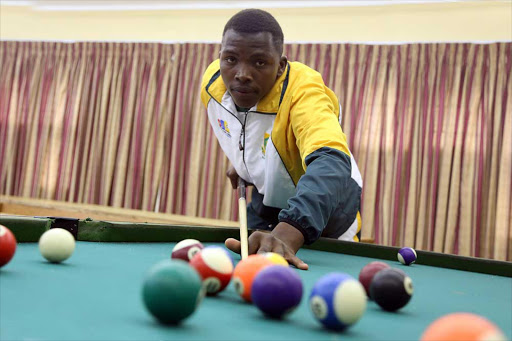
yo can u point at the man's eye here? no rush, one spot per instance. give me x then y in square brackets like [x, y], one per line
[229, 59]
[260, 63]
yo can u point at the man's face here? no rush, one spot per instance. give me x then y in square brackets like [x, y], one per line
[249, 66]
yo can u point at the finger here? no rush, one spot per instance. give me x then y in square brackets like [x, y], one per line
[233, 244]
[297, 262]
[282, 251]
[264, 248]
[255, 242]
[269, 244]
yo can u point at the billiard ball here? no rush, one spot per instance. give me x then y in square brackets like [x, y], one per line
[368, 272]
[245, 272]
[406, 255]
[277, 290]
[337, 301]
[172, 291]
[7, 245]
[186, 249]
[276, 258]
[462, 327]
[215, 266]
[228, 253]
[56, 245]
[391, 289]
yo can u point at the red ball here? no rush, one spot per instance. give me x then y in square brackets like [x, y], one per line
[367, 273]
[215, 267]
[186, 249]
[7, 245]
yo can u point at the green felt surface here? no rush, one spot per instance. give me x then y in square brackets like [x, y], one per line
[29, 229]
[96, 295]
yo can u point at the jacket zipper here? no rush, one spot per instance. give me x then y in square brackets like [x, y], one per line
[241, 142]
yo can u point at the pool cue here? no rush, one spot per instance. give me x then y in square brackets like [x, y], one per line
[242, 213]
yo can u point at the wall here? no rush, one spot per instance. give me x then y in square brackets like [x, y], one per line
[427, 22]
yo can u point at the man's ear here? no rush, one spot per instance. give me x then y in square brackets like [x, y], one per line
[282, 66]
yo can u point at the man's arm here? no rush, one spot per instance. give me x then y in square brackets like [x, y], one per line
[284, 238]
[319, 192]
[326, 160]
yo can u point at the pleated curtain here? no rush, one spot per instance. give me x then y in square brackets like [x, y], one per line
[122, 125]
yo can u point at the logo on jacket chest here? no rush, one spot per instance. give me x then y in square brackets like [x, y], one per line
[264, 145]
[224, 127]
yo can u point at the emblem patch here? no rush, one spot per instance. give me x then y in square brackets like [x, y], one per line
[224, 127]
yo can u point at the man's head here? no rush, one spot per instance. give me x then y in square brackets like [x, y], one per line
[251, 56]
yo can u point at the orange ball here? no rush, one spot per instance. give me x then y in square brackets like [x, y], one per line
[462, 327]
[245, 272]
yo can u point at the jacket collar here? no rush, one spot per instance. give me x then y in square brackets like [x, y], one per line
[268, 104]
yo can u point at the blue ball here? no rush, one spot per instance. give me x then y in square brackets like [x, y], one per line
[406, 255]
[223, 249]
[276, 290]
[337, 301]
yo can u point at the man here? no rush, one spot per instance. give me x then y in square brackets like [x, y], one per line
[279, 126]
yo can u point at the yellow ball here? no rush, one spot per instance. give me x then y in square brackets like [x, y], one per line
[276, 258]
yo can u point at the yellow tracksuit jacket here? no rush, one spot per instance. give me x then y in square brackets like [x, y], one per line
[290, 145]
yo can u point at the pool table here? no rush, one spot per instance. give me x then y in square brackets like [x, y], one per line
[96, 294]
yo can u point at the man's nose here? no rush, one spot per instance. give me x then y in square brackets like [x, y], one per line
[243, 74]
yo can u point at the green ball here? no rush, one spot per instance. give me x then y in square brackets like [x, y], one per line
[172, 291]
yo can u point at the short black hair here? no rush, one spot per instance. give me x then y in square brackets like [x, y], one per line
[255, 21]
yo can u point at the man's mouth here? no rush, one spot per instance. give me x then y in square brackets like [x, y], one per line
[243, 90]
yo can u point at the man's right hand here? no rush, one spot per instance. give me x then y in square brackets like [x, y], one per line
[285, 240]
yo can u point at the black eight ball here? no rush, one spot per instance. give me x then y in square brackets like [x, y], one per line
[391, 289]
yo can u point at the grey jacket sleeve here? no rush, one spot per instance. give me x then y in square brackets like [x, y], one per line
[320, 192]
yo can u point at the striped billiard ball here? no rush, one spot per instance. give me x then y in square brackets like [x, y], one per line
[186, 249]
[215, 266]
[337, 301]
[406, 255]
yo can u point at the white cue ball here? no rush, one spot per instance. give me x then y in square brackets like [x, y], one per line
[56, 245]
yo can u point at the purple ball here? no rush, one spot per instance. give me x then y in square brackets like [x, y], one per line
[277, 290]
[406, 255]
